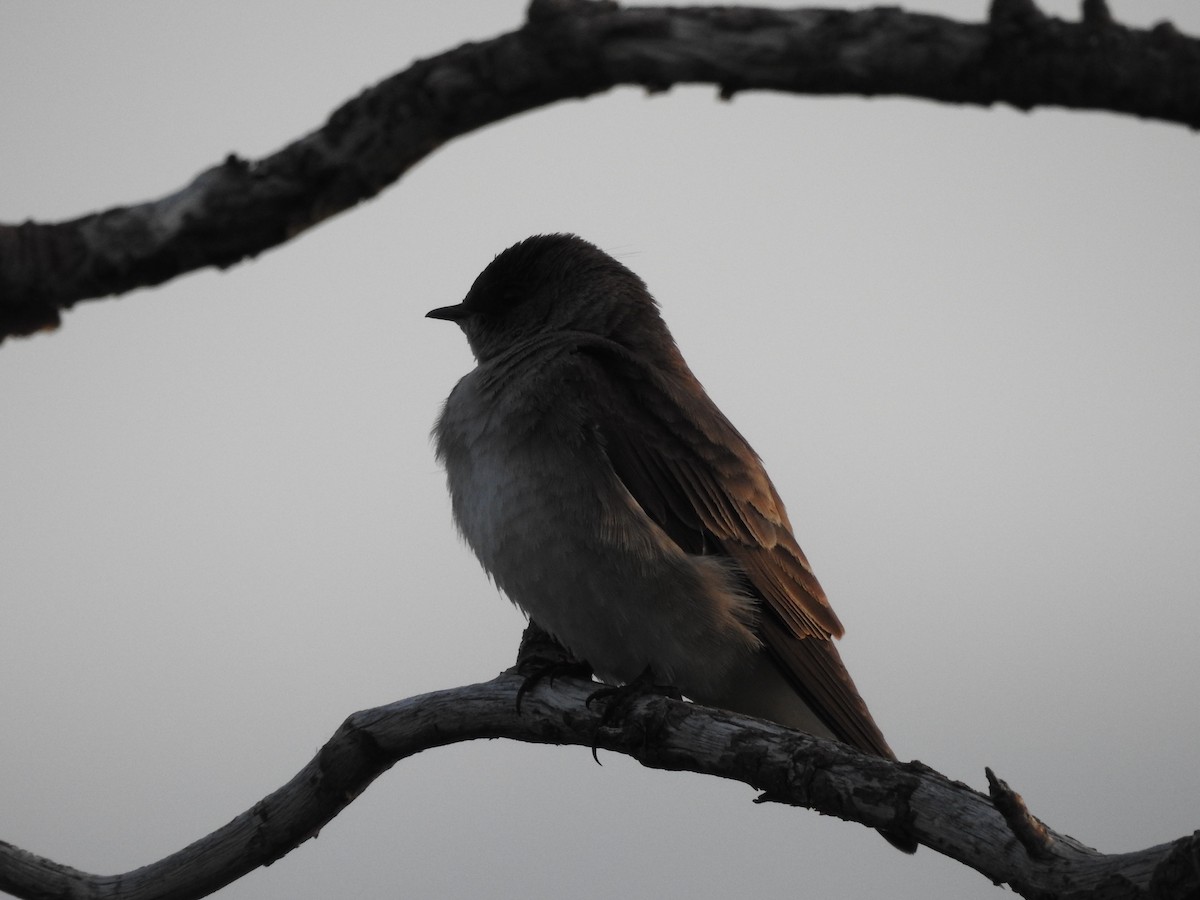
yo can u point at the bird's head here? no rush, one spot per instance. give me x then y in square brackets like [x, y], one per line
[554, 282]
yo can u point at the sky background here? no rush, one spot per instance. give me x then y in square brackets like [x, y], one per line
[963, 341]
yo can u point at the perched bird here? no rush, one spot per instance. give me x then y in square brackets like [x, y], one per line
[611, 500]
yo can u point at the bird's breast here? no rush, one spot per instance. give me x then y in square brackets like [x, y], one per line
[535, 497]
[526, 486]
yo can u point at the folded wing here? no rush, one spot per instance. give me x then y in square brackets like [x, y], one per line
[697, 478]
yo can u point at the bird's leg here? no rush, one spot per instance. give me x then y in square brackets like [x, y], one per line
[617, 699]
[540, 657]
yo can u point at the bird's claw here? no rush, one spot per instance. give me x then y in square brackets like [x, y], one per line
[541, 657]
[617, 698]
[536, 671]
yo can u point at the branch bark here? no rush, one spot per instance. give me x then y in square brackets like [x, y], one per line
[577, 48]
[786, 766]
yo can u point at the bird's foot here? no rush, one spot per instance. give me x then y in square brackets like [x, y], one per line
[617, 699]
[541, 657]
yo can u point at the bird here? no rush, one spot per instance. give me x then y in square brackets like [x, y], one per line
[608, 497]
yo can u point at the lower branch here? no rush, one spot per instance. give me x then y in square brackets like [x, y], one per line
[786, 766]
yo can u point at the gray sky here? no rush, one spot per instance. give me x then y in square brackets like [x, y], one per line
[962, 340]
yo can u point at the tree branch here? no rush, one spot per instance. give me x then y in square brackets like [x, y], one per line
[577, 48]
[786, 766]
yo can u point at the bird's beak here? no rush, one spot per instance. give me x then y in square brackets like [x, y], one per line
[455, 313]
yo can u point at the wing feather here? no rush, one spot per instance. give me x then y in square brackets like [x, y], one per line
[695, 475]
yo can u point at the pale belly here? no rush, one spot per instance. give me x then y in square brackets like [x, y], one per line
[564, 541]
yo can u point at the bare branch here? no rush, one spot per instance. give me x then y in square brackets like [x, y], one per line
[786, 766]
[577, 48]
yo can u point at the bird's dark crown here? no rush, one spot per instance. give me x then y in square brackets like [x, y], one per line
[544, 263]
[558, 282]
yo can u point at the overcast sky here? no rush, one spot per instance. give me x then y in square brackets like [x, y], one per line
[963, 341]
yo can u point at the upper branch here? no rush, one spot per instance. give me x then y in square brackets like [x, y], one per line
[576, 48]
[787, 766]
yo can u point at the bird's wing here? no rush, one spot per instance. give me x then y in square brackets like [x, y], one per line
[696, 477]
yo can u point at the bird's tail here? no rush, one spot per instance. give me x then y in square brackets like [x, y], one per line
[763, 691]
